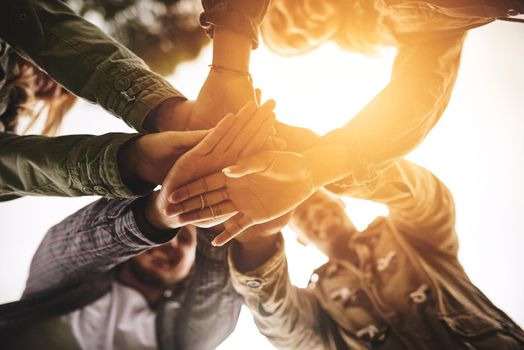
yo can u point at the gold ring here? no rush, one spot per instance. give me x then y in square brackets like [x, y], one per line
[202, 202]
[212, 211]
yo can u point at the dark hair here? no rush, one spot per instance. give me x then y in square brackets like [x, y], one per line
[33, 94]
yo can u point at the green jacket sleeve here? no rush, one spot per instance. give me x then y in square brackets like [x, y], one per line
[79, 56]
[75, 165]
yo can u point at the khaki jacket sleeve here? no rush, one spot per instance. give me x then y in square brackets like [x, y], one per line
[287, 316]
[75, 165]
[405, 111]
[420, 205]
[79, 56]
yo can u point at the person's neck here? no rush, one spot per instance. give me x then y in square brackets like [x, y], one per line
[151, 294]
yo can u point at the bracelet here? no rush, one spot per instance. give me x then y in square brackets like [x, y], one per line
[237, 71]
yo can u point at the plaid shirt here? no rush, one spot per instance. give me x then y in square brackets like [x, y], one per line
[76, 262]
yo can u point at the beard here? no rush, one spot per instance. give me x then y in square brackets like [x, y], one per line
[147, 277]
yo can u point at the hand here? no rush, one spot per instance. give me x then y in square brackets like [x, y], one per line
[223, 92]
[233, 138]
[149, 157]
[261, 188]
[171, 115]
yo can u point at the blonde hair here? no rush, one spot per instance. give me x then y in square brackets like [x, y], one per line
[358, 23]
[34, 94]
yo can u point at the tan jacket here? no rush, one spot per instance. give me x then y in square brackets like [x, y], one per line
[404, 290]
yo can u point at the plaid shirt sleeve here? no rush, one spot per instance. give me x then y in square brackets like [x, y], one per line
[211, 302]
[240, 16]
[79, 56]
[89, 242]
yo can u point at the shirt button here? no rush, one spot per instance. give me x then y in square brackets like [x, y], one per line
[512, 12]
[101, 190]
[420, 295]
[87, 190]
[254, 283]
[122, 83]
[22, 16]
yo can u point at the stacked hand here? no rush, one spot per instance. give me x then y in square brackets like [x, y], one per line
[261, 188]
[233, 138]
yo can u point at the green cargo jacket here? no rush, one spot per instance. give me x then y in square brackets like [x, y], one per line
[401, 287]
[93, 66]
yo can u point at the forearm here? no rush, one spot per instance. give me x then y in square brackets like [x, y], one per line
[75, 165]
[91, 241]
[286, 315]
[405, 111]
[82, 58]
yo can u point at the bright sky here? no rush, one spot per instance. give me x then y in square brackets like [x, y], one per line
[477, 149]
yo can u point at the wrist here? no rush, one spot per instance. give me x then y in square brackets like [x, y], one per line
[170, 115]
[326, 163]
[231, 50]
[251, 254]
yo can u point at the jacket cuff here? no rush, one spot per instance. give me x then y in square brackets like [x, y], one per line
[93, 168]
[235, 18]
[131, 91]
[264, 275]
[151, 233]
[127, 230]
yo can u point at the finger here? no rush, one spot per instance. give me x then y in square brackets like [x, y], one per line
[250, 165]
[258, 138]
[241, 119]
[208, 213]
[179, 139]
[198, 202]
[250, 127]
[209, 183]
[215, 135]
[233, 227]
[278, 143]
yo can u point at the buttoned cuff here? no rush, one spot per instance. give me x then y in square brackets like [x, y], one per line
[131, 91]
[128, 231]
[222, 16]
[93, 167]
[206, 249]
[264, 275]
[151, 233]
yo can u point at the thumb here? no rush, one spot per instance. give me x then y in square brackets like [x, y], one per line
[249, 165]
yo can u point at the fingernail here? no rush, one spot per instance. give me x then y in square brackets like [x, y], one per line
[226, 170]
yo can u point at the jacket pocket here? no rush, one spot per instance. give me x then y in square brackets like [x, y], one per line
[477, 331]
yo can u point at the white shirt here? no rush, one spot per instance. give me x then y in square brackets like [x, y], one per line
[119, 320]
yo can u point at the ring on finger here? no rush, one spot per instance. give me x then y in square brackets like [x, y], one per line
[212, 211]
